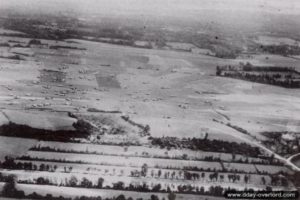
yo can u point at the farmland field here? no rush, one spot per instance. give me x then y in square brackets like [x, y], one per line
[144, 101]
[105, 106]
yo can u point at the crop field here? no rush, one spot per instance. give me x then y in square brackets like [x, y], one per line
[137, 151]
[129, 161]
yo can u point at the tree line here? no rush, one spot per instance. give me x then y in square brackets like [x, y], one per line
[286, 77]
[206, 145]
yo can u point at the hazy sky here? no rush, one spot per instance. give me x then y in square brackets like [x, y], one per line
[156, 7]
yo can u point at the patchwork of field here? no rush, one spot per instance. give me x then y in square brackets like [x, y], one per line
[60, 168]
[173, 92]
[176, 93]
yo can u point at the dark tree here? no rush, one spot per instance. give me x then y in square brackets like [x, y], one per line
[171, 196]
[154, 197]
[121, 197]
[100, 182]
[9, 189]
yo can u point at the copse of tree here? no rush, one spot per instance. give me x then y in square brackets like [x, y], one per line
[171, 196]
[42, 181]
[73, 181]
[34, 42]
[86, 183]
[154, 197]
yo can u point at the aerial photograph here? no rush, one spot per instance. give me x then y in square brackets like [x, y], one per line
[149, 99]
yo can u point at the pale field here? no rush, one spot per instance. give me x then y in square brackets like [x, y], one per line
[239, 166]
[269, 40]
[272, 169]
[3, 119]
[23, 51]
[188, 47]
[296, 57]
[141, 43]
[127, 161]
[252, 168]
[262, 113]
[3, 31]
[180, 46]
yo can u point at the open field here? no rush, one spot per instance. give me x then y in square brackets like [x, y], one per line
[158, 82]
[73, 192]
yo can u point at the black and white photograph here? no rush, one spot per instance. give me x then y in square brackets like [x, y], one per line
[149, 99]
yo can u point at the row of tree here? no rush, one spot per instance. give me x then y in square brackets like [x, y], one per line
[272, 79]
[206, 145]
[9, 163]
[281, 76]
[10, 190]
